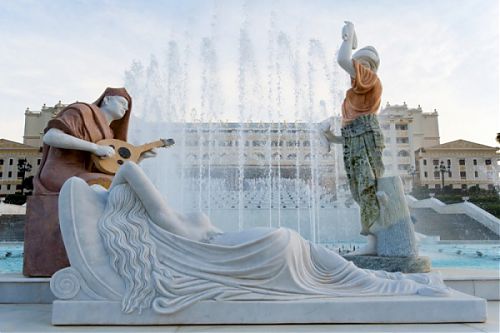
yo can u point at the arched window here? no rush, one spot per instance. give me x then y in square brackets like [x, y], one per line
[260, 156]
[277, 156]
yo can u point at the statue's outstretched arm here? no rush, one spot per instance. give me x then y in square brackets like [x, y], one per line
[349, 43]
[57, 138]
[154, 203]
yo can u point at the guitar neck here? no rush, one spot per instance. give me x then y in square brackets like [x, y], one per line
[151, 145]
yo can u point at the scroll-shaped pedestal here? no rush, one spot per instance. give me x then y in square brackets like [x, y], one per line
[395, 232]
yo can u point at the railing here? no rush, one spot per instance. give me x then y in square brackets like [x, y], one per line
[467, 208]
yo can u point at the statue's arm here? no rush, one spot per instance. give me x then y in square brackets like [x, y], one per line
[349, 43]
[57, 138]
[156, 207]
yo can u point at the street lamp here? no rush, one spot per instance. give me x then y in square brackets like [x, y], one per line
[443, 169]
[23, 166]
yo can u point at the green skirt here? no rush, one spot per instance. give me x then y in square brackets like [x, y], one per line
[363, 147]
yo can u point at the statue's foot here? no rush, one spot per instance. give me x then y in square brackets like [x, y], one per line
[370, 249]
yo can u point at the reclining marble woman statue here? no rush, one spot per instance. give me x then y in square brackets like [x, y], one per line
[155, 258]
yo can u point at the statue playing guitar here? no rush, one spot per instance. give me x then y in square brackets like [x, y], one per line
[89, 141]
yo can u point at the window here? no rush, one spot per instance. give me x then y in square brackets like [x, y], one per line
[474, 162]
[476, 174]
[8, 187]
[463, 174]
[403, 166]
[437, 186]
[425, 162]
[403, 153]
[436, 174]
[38, 161]
[425, 174]
[11, 161]
[291, 156]
[1, 174]
[307, 143]
[461, 162]
[386, 126]
[464, 186]
[1, 161]
[435, 162]
[276, 143]
[9, 175]
[448, 162]
[19, 187]
[487, 162]
[401, 140]
[402, 127]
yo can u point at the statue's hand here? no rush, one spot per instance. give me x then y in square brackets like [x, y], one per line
[348, 32]
[148, 154]
[103, 151]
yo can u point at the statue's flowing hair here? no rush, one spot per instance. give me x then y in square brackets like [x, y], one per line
[124, 227]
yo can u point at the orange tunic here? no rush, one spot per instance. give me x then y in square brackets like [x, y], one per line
[365, 94]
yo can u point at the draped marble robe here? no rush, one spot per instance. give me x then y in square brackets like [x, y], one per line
[168, 272]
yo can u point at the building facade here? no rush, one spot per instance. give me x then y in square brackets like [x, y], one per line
[11, 153]
[36, 121]
[460, 164]
[406, 130]
[290, 150]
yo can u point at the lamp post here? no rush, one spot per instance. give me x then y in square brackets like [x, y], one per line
[23, 166]
[443, 169]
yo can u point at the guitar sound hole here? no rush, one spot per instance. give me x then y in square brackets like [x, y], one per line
[119, 162]
[124, 152]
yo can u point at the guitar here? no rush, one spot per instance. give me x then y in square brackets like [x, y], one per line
[124, 151]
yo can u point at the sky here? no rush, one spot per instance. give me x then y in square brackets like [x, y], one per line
[439, 54]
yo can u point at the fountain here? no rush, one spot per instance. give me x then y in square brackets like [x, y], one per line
[263, 167]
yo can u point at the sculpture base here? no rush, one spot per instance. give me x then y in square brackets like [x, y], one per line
[392, 264]
[44, 252]
[456, 308]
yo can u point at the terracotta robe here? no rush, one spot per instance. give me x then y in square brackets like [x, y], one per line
[83, 121]
[365, 94]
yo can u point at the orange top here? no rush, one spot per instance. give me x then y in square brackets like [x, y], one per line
[365, 94]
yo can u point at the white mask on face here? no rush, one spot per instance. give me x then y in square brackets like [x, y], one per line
[114, 107]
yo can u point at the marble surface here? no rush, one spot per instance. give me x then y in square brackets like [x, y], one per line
[457, 307]
[37, 317]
